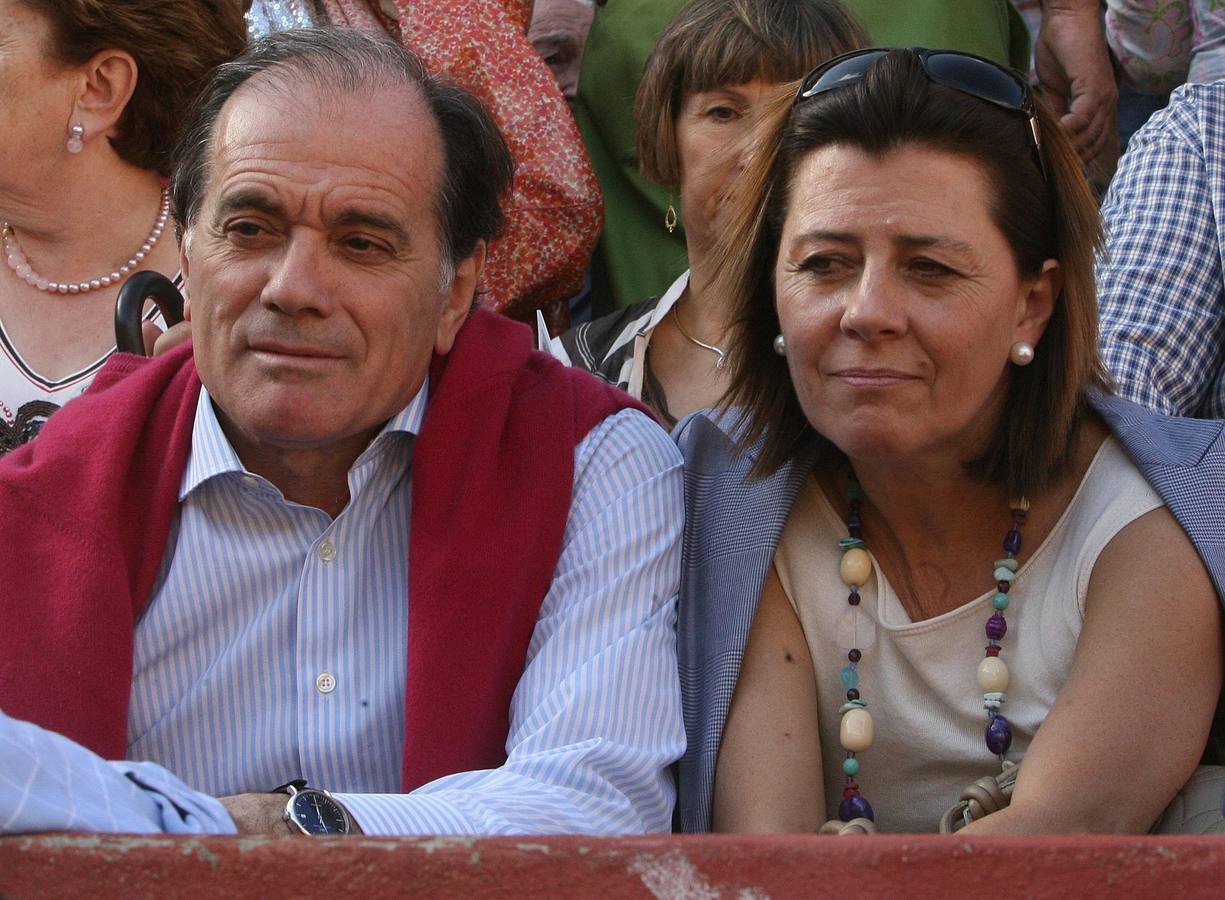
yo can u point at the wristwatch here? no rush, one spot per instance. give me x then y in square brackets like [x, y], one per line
[314, 812]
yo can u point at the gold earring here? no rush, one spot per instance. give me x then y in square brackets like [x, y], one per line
[670, 219]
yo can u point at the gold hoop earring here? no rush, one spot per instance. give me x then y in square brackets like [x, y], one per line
[670, 217]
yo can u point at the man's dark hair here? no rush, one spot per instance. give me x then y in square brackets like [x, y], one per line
[477, 165]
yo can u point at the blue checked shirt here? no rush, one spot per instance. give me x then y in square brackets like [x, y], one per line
[1160, 288]
[275, 646]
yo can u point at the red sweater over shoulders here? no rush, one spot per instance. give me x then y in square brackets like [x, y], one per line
[86, 509]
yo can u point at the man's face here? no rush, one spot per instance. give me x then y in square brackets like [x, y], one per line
[314, 263]
[559, 33]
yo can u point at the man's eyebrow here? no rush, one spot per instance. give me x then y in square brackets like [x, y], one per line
[249, 200]
[373, 220]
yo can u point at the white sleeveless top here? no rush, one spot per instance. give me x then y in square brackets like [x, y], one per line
[919, 679]
[27, 397]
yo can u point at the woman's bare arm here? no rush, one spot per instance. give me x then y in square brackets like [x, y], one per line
[768, 777]
[1131, 722]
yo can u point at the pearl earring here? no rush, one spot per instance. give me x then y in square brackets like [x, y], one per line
[1021, 354]
[780, 345]
[75, 133]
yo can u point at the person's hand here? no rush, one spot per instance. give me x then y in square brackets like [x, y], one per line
[263, 814]
[158, 342]
[1073, 65]
[258, 813]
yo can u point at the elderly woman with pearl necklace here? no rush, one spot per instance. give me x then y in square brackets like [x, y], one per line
[91, 97]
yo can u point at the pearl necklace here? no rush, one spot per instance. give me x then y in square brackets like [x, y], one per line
[856, 732]
[18, 263]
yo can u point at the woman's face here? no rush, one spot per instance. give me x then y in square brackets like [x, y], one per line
[899, 300]
[35, 97]
[712, 138]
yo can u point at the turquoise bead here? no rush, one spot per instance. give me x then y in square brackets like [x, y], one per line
[851, 544]
[1009, 563]
[1003, 573]
[850, 767]
[850, 678]
[1000, 601]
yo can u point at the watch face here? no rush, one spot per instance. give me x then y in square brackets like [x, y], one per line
[318, 813]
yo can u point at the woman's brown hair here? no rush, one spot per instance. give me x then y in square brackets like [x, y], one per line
[1051, 216]
[715, 43]
[175, 43]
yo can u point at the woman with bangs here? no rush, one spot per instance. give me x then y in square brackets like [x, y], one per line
[714, 68]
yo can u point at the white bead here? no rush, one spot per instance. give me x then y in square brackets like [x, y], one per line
[42, 284]
[105, 281]
[857, 731]
[993, 674]
[95, 283]
[125, 268]
[146, 247]
[74, 289]
[855, 567]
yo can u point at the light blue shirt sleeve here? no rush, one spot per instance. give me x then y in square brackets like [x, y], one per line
[596, 718]
[49, 783]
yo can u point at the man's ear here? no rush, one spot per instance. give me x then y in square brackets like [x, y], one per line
[1037, 302]
[108, 79]
[457, 301]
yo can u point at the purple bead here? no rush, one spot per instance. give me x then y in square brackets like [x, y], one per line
[854, 655]
[1012, 542]
[853, 597]
[856, 808]
[999, 735]
[853, 519]
[996, 627]
[852, 694]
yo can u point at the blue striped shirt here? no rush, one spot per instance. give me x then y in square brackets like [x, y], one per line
[275, 644]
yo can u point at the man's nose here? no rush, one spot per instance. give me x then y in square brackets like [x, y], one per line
[875, 306]
[296, 277]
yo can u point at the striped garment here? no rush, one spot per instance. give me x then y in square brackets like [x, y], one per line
[275, 646]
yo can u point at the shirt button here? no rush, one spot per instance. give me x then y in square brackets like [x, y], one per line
[325, 682]
[327, 550]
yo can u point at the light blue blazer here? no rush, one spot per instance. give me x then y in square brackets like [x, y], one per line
[734, 524]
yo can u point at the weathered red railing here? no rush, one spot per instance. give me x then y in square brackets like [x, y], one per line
[669, 868]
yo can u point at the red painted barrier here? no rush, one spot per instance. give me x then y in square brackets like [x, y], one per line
[668, 868]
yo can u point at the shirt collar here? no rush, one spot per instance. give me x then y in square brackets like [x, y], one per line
[213, 455]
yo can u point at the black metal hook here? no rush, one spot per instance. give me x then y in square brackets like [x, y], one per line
[131, 302]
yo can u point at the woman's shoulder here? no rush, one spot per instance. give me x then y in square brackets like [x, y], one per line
[1183, 460]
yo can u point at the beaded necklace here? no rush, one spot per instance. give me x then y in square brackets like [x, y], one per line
[857, 730]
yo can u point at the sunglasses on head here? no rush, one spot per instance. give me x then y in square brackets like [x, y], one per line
[964, 72]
